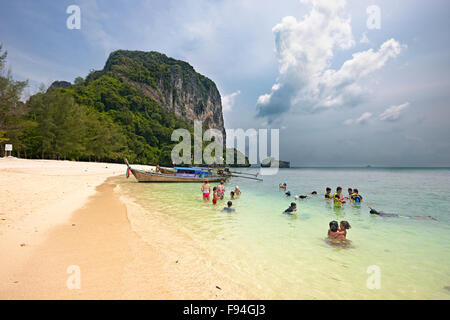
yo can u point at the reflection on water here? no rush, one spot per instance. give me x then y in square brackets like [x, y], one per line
[286, 256]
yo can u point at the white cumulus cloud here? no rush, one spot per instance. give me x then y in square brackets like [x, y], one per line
[228, 101]
[305, 49]
[393, 113]
[361, 120]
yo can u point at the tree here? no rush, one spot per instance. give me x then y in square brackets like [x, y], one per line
[11, 108]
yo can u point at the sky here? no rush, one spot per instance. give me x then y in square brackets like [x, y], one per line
[345, 82]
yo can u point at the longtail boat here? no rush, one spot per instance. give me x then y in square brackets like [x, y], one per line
[178, 174]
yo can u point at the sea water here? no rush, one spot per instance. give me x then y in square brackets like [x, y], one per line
[280, 256]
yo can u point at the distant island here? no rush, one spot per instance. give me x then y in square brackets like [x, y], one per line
[268, 162]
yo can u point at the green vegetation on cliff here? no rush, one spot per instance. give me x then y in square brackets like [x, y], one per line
[104, 117]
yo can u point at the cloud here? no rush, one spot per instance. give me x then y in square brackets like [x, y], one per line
[228, 101]
[364, 118]
[393, 113]
[364, 38]
[305, 49]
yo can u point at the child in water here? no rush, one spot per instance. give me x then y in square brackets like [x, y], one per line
[232, 196]
[338, 232]
[357, 198]
[215, 196]
[283, 185]
[328, 195]
[291, 209]
[343, 227]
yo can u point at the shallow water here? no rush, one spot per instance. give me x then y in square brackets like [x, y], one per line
[287, 257]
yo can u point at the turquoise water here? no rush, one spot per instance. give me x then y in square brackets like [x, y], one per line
[286, 257]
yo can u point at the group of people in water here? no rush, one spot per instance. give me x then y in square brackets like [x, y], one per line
[337, 231]
[338, 198]
[219, 194]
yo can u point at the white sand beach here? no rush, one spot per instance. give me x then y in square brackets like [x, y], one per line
[55, 214]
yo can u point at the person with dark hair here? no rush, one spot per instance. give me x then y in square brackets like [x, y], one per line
[328, 195]
[338, 232]
[314, 192]
[229, 208]
[357, 198]
[232, 196]
[288, 194]
[291, 209]
[395, 215]
[338, 198]
[215, 196]
[350, 191]
[334, 229]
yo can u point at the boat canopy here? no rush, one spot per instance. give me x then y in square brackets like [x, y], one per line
[189, 169]
[186, 171]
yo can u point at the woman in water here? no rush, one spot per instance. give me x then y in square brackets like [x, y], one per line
[206, 189]
[221, 190]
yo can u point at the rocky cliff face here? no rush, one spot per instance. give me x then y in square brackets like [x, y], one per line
[173, 84]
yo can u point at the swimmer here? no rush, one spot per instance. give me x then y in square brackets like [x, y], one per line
[314, 192]
[229, 208]
[288, 194]
[328, 195]
[394, 215]
[283, 185]
[206, 188]
[291, 209]
[232, 195]
[237, 191]
[302, 197]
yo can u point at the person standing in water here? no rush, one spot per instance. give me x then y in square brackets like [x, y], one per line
[338, 198]
[229, 208]
[215, 196]
[328, 195]
[206, 189]
[221, 190]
